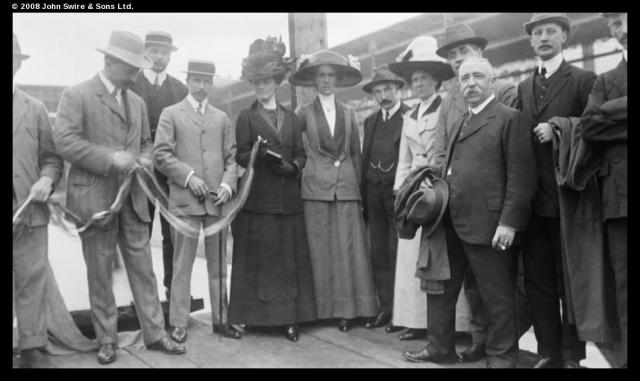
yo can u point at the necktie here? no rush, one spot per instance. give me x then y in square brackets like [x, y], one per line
[115, 95]
[156, 84]
[386, 115]
[200, 110]
[543, 72]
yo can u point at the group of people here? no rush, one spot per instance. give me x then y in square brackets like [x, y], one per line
[448, 192]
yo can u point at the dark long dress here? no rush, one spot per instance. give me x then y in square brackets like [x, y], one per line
[271, 281]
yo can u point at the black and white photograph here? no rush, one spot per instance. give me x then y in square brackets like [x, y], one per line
[318, 190]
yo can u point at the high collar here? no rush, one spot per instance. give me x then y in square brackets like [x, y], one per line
[327, 100]
[552, 64]
[424, 104]
[393, 109]
[476, 110]
[271, 104]
[194, 103]
[151, 76]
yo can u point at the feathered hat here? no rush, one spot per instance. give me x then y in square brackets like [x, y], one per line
[266, 59]
[347, 68]
[421, 55]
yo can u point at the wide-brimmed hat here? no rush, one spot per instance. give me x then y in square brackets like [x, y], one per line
[202, 67]
[127, 47]
[347, 69]
[17, 53]
[382, 74]
[159, 38]
[456, 35]
[421, 55]
[543, 18]
[426, 206]
[266, 60]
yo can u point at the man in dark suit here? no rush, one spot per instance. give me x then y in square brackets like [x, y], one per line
[604, 123]
[36, 172]
[382, 131]
[159, 90]
[102, 130]
[491, 175]
[555, 89]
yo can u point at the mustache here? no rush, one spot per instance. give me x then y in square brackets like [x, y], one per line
[385, 101]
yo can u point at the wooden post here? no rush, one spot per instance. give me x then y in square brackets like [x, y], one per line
[307, 34]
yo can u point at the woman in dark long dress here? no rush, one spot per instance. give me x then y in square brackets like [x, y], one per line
[271, 281]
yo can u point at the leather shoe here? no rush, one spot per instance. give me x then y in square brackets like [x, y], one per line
[344, 325]
[34, 358]
[107, 354]
[166, 345]
[393, 328]
[227, 331]
[383, 318]
[291, 333]
[547, 362]
[414, 334]
[472, 354]
[570, 364]
[179, 334]
[424, 356]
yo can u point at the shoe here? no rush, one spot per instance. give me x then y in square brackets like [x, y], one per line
[107, 354]
[547, 362]
[344, 325]
[179, 334]
[424, 356]
[227, 331]
[413, 334]
[291, 333]
[382, 319]
[393, 328]
[166, 345]
[472, 354]
[570, 364]
[34, 358]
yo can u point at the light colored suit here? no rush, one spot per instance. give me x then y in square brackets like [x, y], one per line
[34, 156]
[90, 125]
[206, 144]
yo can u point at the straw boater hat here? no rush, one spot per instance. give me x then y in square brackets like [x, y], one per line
[426, 206]
[421, 55]
[161, 39]
[347, 69]
[456, 35]
[202, 67]
[543, 18]
[17, 53]
[127, 47]
[382, 74]
[266, 60]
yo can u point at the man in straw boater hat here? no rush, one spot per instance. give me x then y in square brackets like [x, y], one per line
[419, 65]
[458, 43]
[195, 148]
[37, 168]
[486, 209]
[555, 89]
[604, 124]
[382, 131]
[159, 90]
[102, 130]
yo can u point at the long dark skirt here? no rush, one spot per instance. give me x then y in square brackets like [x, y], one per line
[271, 279]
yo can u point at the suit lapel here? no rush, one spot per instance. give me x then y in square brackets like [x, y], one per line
[192, 114]
[107, 99]
[480, 120]
[267, 123]
[452, 139]
[619, 77]
[19, 110]
[557, 84]
[369, 130]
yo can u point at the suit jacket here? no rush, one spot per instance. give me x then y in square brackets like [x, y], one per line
[491, 173]
[604, 123]
[34, 154]
[417, 144]
[171, 92]
[566, 96]
[90, 126]
[188, 141]
[272, 191]
[330, 175]
[454, 106]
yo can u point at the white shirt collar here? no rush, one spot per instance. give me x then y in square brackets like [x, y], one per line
[327, 101]
[424, 104]
[393, 109]
[108, 84]
[151, 76]
[270, 104]
[194, 103]
[476, 110]
[552, 64]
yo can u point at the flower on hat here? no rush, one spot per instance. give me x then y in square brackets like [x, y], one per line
[353, 61]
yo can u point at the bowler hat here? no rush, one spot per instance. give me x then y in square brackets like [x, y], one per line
[17, 53]
[127, 47]
[347, 69]
[202, 67]
[382, 74]
[543, 18]
[426, 206]
[456, 35]
[266, 60]
[421, 55]
[159, 38]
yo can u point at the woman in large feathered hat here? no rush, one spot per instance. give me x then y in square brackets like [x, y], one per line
[271, 282]
[338, 243]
